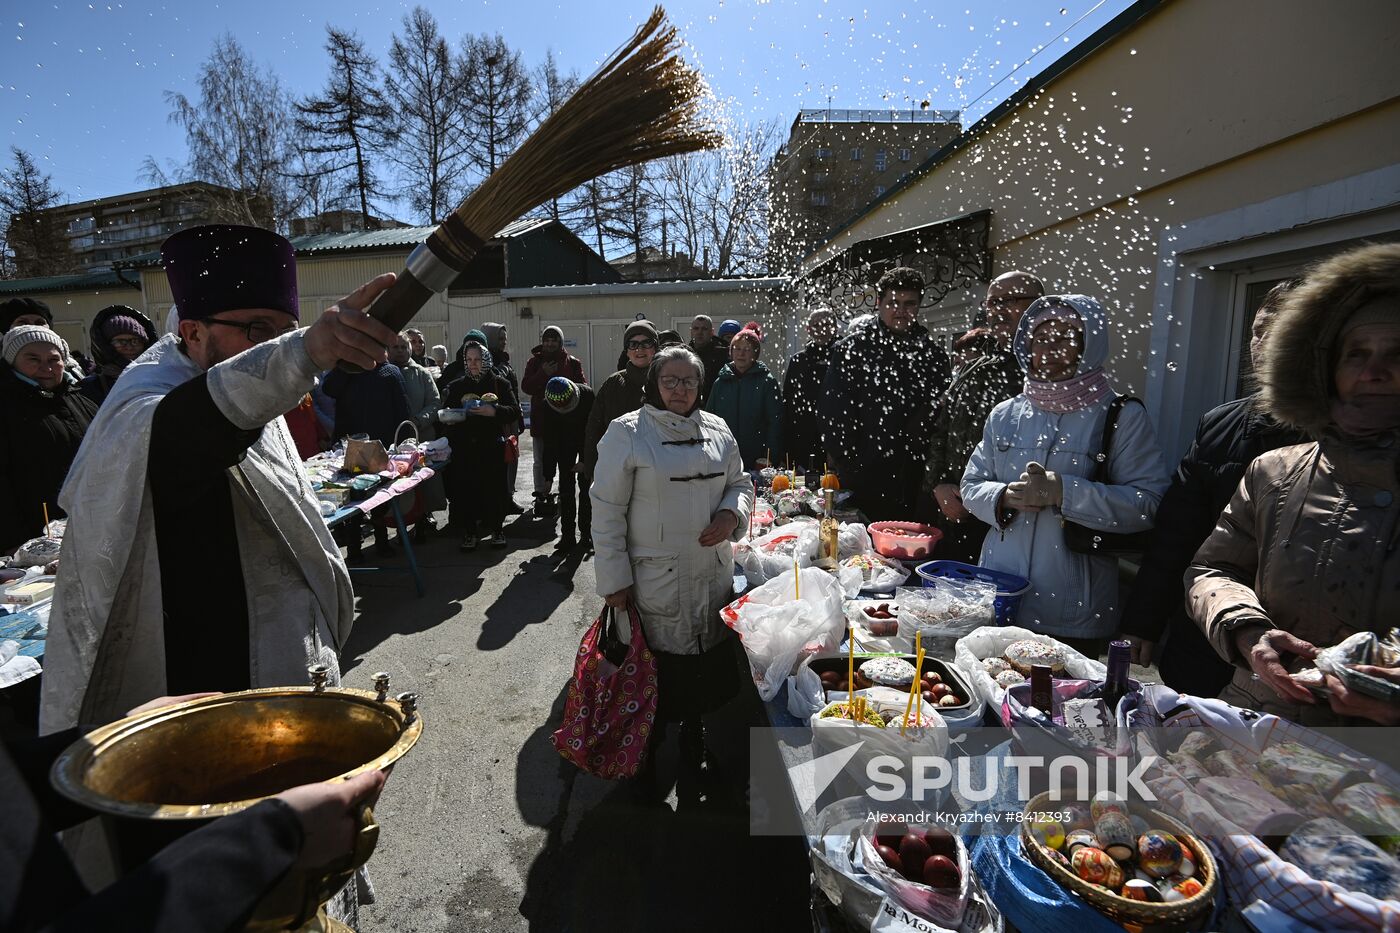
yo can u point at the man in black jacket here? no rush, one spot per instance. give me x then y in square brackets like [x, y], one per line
[713, 354]
[878, 401]
[802, 392]
[1227, 439]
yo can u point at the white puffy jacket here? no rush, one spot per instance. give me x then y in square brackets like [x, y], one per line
[659, 480]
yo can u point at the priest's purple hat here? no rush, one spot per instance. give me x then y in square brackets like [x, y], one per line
[225, 267]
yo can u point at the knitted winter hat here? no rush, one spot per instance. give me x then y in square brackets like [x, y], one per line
[9, 310]
[561, 394]
[729, 328]
[645, 329]
[751, 331]
[552, 331]
[119, 324]
[474, 336]
[1383, 309]
[17, 338]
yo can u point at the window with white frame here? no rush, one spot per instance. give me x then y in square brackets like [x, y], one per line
[856, 154]
[881, 161]
[905, 155]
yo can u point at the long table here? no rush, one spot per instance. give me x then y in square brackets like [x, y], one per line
[406, 485]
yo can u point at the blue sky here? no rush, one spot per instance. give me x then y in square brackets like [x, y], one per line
[81, 83]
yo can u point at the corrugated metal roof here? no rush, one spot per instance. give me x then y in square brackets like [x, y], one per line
[681, 286]
[396, 238]
[103, 278]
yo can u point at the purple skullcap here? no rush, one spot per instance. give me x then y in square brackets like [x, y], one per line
[225, 267]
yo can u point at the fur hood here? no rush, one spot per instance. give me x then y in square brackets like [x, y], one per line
[1298, 356]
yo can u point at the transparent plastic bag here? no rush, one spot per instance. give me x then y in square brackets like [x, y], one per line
[946, 611]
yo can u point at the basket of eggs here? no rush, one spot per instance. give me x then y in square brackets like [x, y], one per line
[1135, 865]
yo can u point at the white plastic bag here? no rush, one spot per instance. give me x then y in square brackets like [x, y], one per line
[853, 539]
[779, 625]
[772, 553]
[991, 642]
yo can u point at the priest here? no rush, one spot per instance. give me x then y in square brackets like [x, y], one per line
[195, 556]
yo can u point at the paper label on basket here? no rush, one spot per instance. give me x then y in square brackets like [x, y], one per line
[891, 918]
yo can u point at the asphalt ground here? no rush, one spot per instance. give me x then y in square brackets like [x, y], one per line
[484, 827]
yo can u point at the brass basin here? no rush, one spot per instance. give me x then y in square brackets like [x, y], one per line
[162, 773]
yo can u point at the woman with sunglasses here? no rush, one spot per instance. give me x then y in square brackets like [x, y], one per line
[623, 390]
[669, 495]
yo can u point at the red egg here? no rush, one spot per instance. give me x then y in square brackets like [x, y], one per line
[941, 842]
[891, 857]
[913, 852]
[892, 836]
[941, 872]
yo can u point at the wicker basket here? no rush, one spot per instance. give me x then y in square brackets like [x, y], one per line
[1180, 915]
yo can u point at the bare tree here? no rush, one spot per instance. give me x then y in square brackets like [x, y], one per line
[719, 199]
[551, 89]
[36, 239]
[495, 100]
[634, 214]
[591, 207]
[423, 86]
[239, 135]
[350, 118]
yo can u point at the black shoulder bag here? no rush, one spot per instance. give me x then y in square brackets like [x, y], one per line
[1083, 540]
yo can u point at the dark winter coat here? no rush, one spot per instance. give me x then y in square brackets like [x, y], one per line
[957, 429]
[476, 429]
[565, 431]
[39, 436]
[476, 478]
[752, 405]
[537, 377]
[208, 880]
[620, 393]
[373, 403]
[878, 401]
[714, 357]
[108, 361]
[802, 393]
[1310, 542]
[1227, 439]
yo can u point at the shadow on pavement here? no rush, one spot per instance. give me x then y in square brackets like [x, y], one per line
[529, 599]
[612, 864]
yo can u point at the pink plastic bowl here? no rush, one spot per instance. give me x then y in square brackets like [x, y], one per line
[904, 547]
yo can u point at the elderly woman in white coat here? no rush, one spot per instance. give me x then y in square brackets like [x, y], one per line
[669, 494]
[1031, 473]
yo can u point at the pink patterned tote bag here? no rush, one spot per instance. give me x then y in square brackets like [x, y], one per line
[611, 708]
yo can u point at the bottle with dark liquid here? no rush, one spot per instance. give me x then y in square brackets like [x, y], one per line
[1043, 689]
[1115, 685]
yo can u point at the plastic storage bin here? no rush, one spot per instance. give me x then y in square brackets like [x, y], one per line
[1010, 588]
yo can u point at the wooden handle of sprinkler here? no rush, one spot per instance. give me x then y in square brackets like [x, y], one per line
[425, 274]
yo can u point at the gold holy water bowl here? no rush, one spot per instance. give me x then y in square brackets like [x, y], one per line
[157, 775]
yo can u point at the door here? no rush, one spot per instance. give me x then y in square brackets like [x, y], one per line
[605, 346]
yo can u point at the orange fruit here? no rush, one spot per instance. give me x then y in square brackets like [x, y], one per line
[830, 481]
[781, 482]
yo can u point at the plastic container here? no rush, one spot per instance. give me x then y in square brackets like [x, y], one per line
[946, 672]
[904, 547]
[1010, 588]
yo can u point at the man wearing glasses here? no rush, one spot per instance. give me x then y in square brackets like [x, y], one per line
[957, 429]
[196, 557]
[624, 390]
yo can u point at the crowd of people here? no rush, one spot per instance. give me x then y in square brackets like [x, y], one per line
[177, 462]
